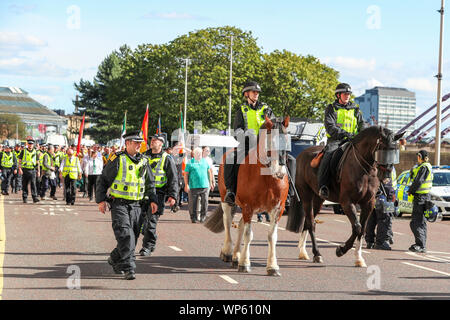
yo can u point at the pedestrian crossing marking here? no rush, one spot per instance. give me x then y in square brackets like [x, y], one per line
[175, 248]
[228, 279]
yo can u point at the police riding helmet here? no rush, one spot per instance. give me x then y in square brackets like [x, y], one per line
[342, 88]
[251, 86]
[433, 214]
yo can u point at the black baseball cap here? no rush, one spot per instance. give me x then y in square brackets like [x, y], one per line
[159, 137]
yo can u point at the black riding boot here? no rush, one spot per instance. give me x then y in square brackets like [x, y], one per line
[323, 175]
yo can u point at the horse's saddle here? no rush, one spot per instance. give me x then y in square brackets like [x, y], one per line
[337, 159]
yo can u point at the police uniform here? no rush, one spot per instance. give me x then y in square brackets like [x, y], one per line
[166, 183]
[16, 181]
[341, 122]
[47, 180]
[131, 182]
[30, 166]
[381, 217]
[421, 183]
[8, 163]
[71, 170]
[248, 118]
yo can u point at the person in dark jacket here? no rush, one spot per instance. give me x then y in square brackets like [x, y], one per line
[421, 183]
[8, 168]
[131, 182]
[343, 120]
[247, 121]
[166, 183]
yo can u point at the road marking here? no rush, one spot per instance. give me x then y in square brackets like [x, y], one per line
[228, 279]
[337, 244]
[2, 243]
[425, 268]
[439, 252]
[399, 233]
[428, 257]
[175, 248]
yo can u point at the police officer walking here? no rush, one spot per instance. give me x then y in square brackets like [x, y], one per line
[70, 171]
[48, 174]
[131, 180]
[16, 182]
[8, 168]
[166, 183]
[343, 120]
[248, 119]
[29, 169]
[421, 183]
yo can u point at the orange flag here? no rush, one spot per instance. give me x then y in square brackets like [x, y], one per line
[144, 132]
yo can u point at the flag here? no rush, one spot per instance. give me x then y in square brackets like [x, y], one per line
[144, 132]
[158, 127]
[124, 131]
[181, 143]
[80, 135]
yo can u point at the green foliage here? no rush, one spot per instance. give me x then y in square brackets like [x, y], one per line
[8, 125]
[128, 80]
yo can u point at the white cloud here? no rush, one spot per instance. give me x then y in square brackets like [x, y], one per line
[14, 42]
[351, 63]
[29, 67]
[420, 84]
[43, 99]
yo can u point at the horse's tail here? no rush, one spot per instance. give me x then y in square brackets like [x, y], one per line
[214, 222]
[296, 216]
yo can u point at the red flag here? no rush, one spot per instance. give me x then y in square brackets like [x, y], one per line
[80, 135]
[144, 132]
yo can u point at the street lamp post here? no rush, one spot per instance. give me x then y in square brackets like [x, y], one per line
[187, 60]
[437, 154]
[230, 89]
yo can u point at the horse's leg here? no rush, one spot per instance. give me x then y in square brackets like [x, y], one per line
[303, 255]
[272, 266]
[350, 212]
[317, 204]
[244, 259]
[225, 253]
[237, 246]
[365, 213]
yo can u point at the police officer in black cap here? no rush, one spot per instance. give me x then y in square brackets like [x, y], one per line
[131, 182]
[8, 168]
[166, 183]
[29, 169]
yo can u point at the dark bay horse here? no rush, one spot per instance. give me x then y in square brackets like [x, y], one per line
[359, 182]
[262, 185]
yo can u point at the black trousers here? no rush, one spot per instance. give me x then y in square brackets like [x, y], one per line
[125, 224]
[71, 190]
[16, 182]
[418, 223]
[47, 183]
[92, 182]
[323, 174]
[382, 222]
[151, 220]
[29, 178]
[7, 174]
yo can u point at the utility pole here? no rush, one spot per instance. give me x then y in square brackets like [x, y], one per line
[230, 89]
[187, 60]
[437, 144]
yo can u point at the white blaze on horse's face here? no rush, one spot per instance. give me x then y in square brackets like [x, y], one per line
[276, 169]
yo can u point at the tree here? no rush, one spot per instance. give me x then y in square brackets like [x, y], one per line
[10, 124]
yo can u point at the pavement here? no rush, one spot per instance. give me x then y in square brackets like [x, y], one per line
[52, 251]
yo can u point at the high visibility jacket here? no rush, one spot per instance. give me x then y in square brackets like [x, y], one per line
[29, 159]
[50, 160]
[425, 187]
[41, 158]
[71, 167]
[57, 158]
[7, 160]
[129, 183]
[158, 170]
[347, 120]
[254, 119]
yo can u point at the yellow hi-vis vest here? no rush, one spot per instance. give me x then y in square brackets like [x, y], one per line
[71, 167]
[253, 119]
[158, 170]
[425, 187]
[7, 160]
[347, 120]
[29, 159]
[41, 158]
[51, 161]
[129, 183]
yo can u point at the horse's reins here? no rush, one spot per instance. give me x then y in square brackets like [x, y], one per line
[362, 158]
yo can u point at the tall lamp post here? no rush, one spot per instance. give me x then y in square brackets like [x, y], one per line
[437, 148]
[187, 61]
[230, 88]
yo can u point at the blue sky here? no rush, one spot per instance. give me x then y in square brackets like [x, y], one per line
[46, 46]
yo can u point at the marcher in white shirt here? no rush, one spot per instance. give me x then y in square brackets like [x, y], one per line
[92, 170]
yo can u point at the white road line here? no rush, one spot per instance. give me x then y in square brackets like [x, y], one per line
[426, 257]
[175, 248]
[425, 268]
[228, 279]
[439, 252]
[337, 244]
[399, 233]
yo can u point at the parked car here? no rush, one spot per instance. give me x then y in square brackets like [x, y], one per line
[440, 191]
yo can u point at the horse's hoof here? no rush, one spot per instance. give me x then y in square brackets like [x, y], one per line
[244, 269]
[318, 259]
[234, 264]
[274, 272]
[303, 256]
[339, 251]
[360, 264]
[225, 257]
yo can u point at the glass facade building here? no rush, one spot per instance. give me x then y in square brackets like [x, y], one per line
[394, 106]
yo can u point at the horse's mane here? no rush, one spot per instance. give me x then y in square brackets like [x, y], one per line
[367, 132]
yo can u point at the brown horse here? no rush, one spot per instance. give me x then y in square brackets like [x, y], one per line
[262, 185]
[359, 183]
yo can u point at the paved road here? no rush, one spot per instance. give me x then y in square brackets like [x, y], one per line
[46, 246]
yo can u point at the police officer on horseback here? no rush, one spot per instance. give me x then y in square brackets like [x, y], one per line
[343, 120]
[247, 121]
